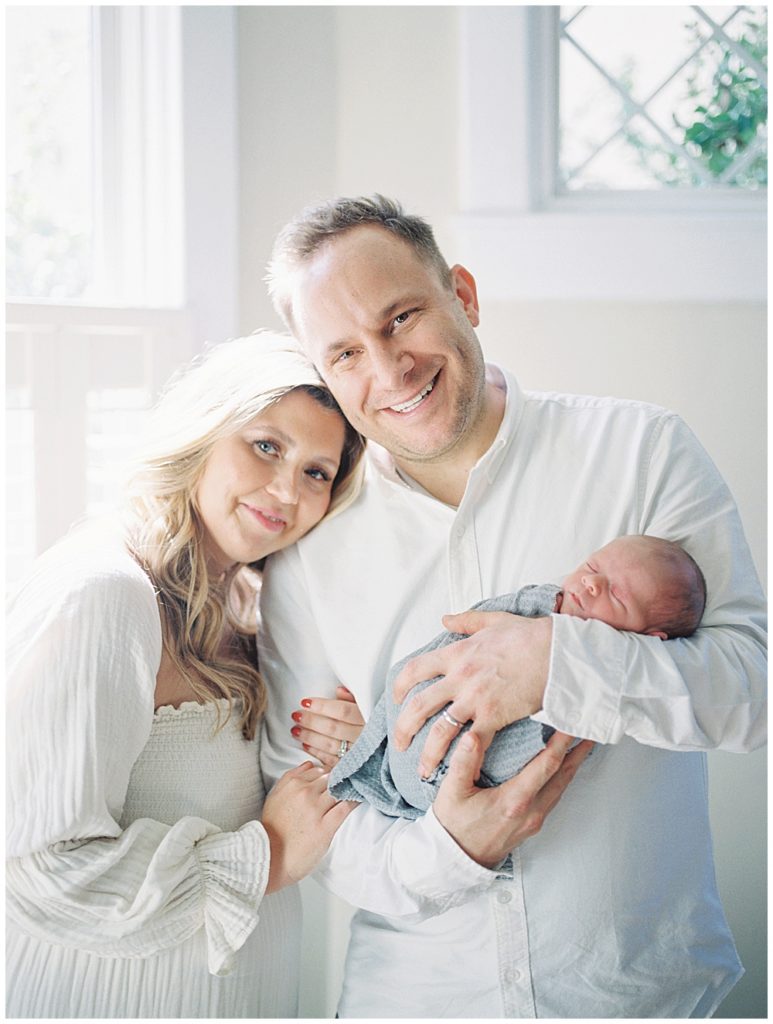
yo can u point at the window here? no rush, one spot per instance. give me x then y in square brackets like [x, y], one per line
[95, 251]
[562, 215]
[79, 382]
[94, 185]
[50, 186]
[668, 96]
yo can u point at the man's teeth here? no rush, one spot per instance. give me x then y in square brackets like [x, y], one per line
[407, 406]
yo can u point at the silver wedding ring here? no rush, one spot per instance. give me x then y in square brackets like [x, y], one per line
[451, 720]
[343, 748]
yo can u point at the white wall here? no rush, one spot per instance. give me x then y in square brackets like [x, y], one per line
[349, 100]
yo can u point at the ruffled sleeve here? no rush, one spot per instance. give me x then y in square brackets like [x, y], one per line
[83, 650]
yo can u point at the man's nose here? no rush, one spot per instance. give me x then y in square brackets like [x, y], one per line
[391, 366]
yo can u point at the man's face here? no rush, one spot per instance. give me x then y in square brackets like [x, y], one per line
[395, 346]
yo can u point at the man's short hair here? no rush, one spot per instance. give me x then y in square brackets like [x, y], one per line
[302, 238]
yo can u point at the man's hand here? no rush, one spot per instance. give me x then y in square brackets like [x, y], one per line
[495, 676]
[489, 823]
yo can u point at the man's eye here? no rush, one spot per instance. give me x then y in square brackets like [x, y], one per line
[402, 317]
[345, 356]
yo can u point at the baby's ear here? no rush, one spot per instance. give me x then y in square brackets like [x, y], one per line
[657, 632]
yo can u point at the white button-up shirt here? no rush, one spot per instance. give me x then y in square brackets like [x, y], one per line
[612, 909]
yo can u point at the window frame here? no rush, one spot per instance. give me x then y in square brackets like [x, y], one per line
[525, 241]
[201, 120]
[139, 234]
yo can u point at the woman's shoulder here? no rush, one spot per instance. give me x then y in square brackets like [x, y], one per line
[89, 571]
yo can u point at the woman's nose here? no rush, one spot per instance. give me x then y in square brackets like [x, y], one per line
[284, 486]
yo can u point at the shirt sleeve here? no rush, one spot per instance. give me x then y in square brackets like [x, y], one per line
[396, 867]
[82, 662]
[707, 691]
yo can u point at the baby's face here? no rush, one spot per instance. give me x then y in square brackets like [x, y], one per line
[619, 585]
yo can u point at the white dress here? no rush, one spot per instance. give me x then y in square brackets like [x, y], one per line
[137, 865]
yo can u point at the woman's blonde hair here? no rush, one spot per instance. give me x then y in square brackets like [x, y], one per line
[212, 398]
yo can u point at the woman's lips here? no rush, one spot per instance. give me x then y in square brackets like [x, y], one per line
[267, 519]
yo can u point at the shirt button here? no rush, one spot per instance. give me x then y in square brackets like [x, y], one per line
[512, 974]
[504, 896]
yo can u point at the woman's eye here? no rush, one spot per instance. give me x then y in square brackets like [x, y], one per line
[318, 474]
[265, 447]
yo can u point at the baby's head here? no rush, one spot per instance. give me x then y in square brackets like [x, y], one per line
[638, 583]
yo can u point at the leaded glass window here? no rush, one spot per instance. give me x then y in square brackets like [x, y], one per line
[662, 96]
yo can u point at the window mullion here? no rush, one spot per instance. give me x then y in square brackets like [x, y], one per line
[721, 36]
[630, 103]
[742, 162]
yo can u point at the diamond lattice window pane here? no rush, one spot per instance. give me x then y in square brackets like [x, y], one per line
[655, 97]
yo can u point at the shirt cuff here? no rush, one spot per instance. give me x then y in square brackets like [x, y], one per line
[433, 865]
[583, 692]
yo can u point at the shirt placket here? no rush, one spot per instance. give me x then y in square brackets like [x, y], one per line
[506, 899]
[509, 912]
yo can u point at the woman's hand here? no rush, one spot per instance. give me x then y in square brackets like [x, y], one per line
[301, 818]
[324, 723]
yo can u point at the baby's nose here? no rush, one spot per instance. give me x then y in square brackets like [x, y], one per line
[592, 583]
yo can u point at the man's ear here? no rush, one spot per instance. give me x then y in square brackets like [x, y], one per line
[657, 632]
[466, 291]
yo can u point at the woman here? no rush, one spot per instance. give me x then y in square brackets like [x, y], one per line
[143, 857]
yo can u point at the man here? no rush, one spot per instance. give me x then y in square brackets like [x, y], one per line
[610, 908]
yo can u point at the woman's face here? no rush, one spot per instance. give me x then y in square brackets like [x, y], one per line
[265, 486]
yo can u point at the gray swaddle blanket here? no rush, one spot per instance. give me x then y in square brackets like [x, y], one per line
[375, 772]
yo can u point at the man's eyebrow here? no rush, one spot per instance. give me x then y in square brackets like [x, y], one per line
[335, 347]
[403, 303]
[342, 344]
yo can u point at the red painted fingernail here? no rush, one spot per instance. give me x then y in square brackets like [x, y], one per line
[295, 731]
[306, 703]
[305, 746]
[296, 716]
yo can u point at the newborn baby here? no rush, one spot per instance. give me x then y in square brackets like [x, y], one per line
[640, 584]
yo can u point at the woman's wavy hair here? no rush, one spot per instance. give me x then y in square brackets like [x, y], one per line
[212, 398]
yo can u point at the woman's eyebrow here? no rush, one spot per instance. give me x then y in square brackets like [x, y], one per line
[290, 442]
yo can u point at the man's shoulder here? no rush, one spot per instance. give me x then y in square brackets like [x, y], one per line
[335, 535]
[553, 412]
[381, 489]
[564, 401]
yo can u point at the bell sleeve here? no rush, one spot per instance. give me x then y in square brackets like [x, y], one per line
[83, 652]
